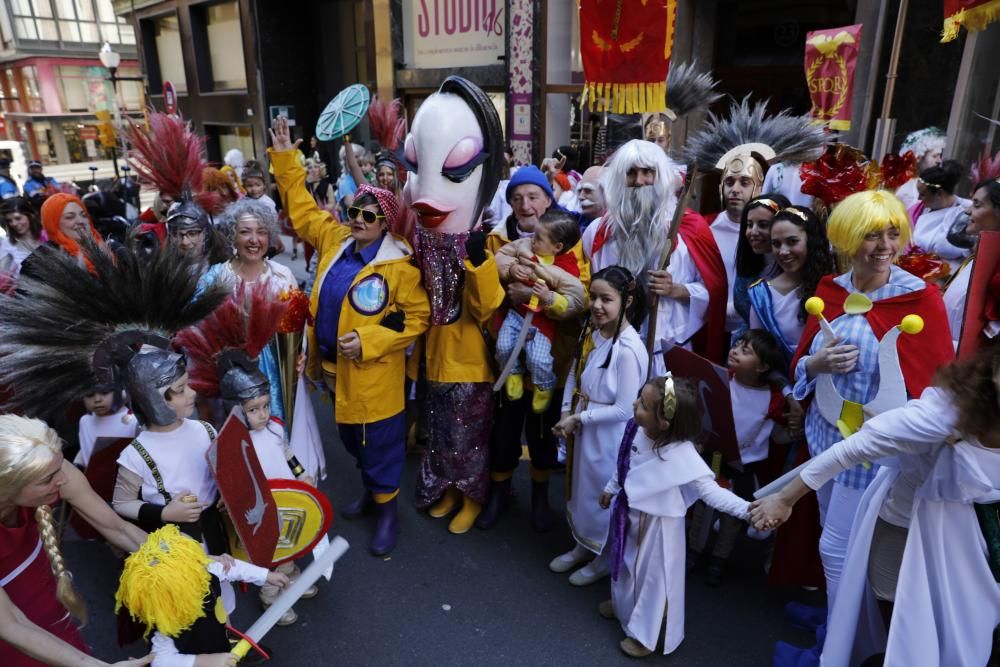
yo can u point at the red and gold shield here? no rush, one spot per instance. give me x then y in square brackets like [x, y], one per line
[304, 515]
[252, 510]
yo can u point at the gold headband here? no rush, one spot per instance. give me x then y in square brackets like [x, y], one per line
[770, 203]
[669, 397]
[797, 213]
[932, 186]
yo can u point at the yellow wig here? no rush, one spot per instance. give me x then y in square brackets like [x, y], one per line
[863, 213]
[165, 582]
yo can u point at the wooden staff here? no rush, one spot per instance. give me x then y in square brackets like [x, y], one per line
[664, 262]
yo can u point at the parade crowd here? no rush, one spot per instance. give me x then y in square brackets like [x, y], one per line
[469, 309]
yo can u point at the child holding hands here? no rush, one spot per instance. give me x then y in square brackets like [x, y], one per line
[659, 475]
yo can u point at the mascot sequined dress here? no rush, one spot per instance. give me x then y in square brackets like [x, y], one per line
[452, 176]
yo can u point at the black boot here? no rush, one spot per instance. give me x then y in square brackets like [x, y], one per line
[542, 517]
[362, 505]
[386, 528]
[496, 506]
[713, 573]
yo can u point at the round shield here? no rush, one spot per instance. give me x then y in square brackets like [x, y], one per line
[304, 516]
[343, 112]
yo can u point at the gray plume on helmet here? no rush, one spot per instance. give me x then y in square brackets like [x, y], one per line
[793, 138]
[690, 90]
[240, 379]
[185, 214]
[147, 377]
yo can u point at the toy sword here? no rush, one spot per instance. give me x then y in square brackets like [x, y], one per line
[522, 337]
[290, 596]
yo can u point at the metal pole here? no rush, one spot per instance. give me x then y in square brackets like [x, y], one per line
[118, 118]
[883, 136]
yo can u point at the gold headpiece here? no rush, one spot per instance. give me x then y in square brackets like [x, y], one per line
[797, 213]
[769, 203]
[669, 397]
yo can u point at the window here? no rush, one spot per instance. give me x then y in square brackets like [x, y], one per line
[33, 98]
[225, 46]
[223, 138]
[78, 21]
[9, 89]
[167, 37]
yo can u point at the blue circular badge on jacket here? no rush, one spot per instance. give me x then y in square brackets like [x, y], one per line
[370, 295]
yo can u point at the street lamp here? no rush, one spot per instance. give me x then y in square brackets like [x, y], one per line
[111, 59]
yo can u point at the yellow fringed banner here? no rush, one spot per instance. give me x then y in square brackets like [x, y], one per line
[626, 48]
[973, 15]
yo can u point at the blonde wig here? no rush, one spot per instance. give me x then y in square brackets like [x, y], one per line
[865, 212]
[27, 448]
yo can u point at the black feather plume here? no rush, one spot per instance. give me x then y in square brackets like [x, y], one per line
[60, 315]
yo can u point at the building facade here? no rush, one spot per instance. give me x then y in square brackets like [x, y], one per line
[52, 83]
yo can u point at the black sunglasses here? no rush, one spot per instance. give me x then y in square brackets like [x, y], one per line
[368, 216]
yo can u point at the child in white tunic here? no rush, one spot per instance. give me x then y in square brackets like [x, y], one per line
[659, 475]
[107, 417]
[597, 403]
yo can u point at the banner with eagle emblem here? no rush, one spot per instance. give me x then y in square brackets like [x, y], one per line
[831, 57]
[626, 46]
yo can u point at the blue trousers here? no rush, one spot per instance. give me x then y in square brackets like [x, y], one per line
[380, 450]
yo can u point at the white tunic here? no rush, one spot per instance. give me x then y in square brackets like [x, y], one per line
[954, 300]
[947, 600]
[180, 459]
[661, 485]
[121, 424]
[727, 235]
[611, 392]
[785, 178]
[269, 445]
[676, 321]
[930, 232]
[753, 426]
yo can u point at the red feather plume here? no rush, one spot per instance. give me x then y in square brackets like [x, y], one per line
[985, 168]
[167, 157]
[387, 123]
[247, 322]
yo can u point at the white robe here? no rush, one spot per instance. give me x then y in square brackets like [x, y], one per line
[611, 392]
[930, 232]
[727, 236]
[676, 321]
[786, 313]
[661, 485]
[947, 600]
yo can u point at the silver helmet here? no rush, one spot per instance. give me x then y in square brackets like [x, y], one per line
[147, 377]
[240, 379]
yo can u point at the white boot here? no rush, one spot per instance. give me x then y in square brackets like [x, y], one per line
[570, 559]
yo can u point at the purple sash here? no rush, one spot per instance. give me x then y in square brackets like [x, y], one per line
[619, 512]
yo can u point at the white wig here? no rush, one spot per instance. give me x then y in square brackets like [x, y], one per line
[923, 141]
[649, 241]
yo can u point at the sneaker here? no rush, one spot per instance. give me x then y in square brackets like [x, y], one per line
[311, 592]
[566, 562]
[540, 400]
[514, 386]
[590, 573]
[634, 649]
[288, 618]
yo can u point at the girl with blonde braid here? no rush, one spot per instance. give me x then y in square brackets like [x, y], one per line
[38, 604]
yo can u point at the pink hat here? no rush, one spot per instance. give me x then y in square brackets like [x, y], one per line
[386, 201]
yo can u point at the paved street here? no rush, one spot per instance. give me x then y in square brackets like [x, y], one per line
[484, 598]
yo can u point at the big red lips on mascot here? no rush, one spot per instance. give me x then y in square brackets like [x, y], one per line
[454, 153]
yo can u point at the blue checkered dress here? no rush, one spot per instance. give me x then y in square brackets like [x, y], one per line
[861, 384]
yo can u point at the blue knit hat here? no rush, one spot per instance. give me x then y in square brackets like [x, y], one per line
[529, 175]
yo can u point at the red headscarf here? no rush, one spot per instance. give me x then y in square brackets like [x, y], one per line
[386, 201]
[51, 214]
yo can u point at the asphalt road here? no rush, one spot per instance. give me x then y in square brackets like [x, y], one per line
[484, 598]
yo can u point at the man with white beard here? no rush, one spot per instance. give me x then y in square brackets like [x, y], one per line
[590, 196]
[640, 188]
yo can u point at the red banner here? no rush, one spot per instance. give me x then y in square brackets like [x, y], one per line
[982, 301]
[831, 56]
[973, 15]
[626, 47]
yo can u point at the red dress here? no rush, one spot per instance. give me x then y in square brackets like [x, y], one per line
[27, 580]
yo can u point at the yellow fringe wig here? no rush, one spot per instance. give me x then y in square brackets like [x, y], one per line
[861, 214]
[165, 582]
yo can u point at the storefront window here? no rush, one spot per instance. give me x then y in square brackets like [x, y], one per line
[34, 98]
[225, 45]
[223, 138]
[44, 140]
[168, 52]
[977, 99]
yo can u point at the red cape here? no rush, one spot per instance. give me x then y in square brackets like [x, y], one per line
[920, 355]
[709, 342]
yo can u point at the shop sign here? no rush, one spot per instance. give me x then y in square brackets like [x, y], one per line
[88, 132]
[453, 33]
